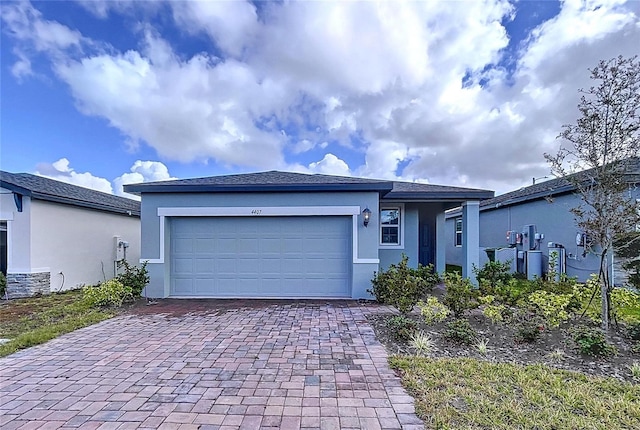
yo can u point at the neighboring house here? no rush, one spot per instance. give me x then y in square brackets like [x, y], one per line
[546, 205]
[290, 235]
[57, 236]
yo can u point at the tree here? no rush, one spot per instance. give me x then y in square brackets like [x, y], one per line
[599, 155]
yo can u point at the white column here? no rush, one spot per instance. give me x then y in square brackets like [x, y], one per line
[441, 244]
[470, 238]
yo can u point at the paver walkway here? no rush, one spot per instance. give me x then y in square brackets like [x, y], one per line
[221, 365]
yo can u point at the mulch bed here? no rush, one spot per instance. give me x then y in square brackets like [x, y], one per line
[502, 346]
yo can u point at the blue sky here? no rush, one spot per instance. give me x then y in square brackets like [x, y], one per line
[101, 93]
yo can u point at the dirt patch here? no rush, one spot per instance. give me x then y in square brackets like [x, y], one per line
[554, 348]
[15, 309]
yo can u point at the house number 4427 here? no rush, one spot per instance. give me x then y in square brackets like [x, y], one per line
[256, 211]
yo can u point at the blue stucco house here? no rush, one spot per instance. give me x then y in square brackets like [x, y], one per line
[546, 206]
[292, 235]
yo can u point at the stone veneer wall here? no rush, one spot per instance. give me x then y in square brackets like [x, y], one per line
[28, 284]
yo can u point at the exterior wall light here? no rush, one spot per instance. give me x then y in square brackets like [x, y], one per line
[366, 214]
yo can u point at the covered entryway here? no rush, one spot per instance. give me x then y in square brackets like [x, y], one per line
[280, 257]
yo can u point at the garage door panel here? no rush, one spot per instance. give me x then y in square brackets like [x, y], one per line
[183, 266]
[245, 245]
[204, 245]
[271, 245]
[270, 266]
[204, 265]
[182, 286]
[261, 257]
[226, 266]
[183, 245]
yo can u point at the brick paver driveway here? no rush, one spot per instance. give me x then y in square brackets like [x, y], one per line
[210, 364]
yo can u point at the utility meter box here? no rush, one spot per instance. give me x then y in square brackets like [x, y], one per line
[529, 237]
[512, 238]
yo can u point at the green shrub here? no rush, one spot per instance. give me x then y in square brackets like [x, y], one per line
[460, 295]
[625, 304]
[3, 285]
[592, 341]
[433, 311]
[109, 293]
[135, 277]
[401, 327]
[459, 330]
[633, 330]
[528, 326]
[564, 286]
[495, 312]
[401, 286]
[492, 274]
[552, 307]
[512, 293]
[623, 298]
[627, 248]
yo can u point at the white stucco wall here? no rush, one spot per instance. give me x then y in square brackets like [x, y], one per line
[79, 242]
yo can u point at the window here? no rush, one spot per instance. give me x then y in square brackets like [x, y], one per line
[458, 238]
[390, 226]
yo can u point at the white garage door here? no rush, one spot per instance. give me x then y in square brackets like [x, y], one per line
[261, 257]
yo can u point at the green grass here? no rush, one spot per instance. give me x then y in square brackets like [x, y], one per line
[32, 321]
[464, 393]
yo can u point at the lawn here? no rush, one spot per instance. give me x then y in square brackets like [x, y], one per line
[462, 393]
[32, 321]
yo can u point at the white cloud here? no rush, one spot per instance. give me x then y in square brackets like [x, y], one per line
[232, 24]
[383, 79]
[141, 171]
[330, 165]
[25, 23]
[61, 171]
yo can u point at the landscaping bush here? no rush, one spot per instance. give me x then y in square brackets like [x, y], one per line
[109, 293]
[493, 274]
[565, 285]
[495, 312]
[592, 341]
[528, 326]
[627, 248]
[625, 304]
[433, 311]
[459, 330]
[460, 294]
[3, 285]
[401, 286]
[621, 299]
[401, 327]
[633, 331]
[552, 307]
[512, 293]
[134, 277]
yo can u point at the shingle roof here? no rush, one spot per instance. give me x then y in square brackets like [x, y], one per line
[415, 190]
[275, 181]
[552, 187]
[41, 188]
